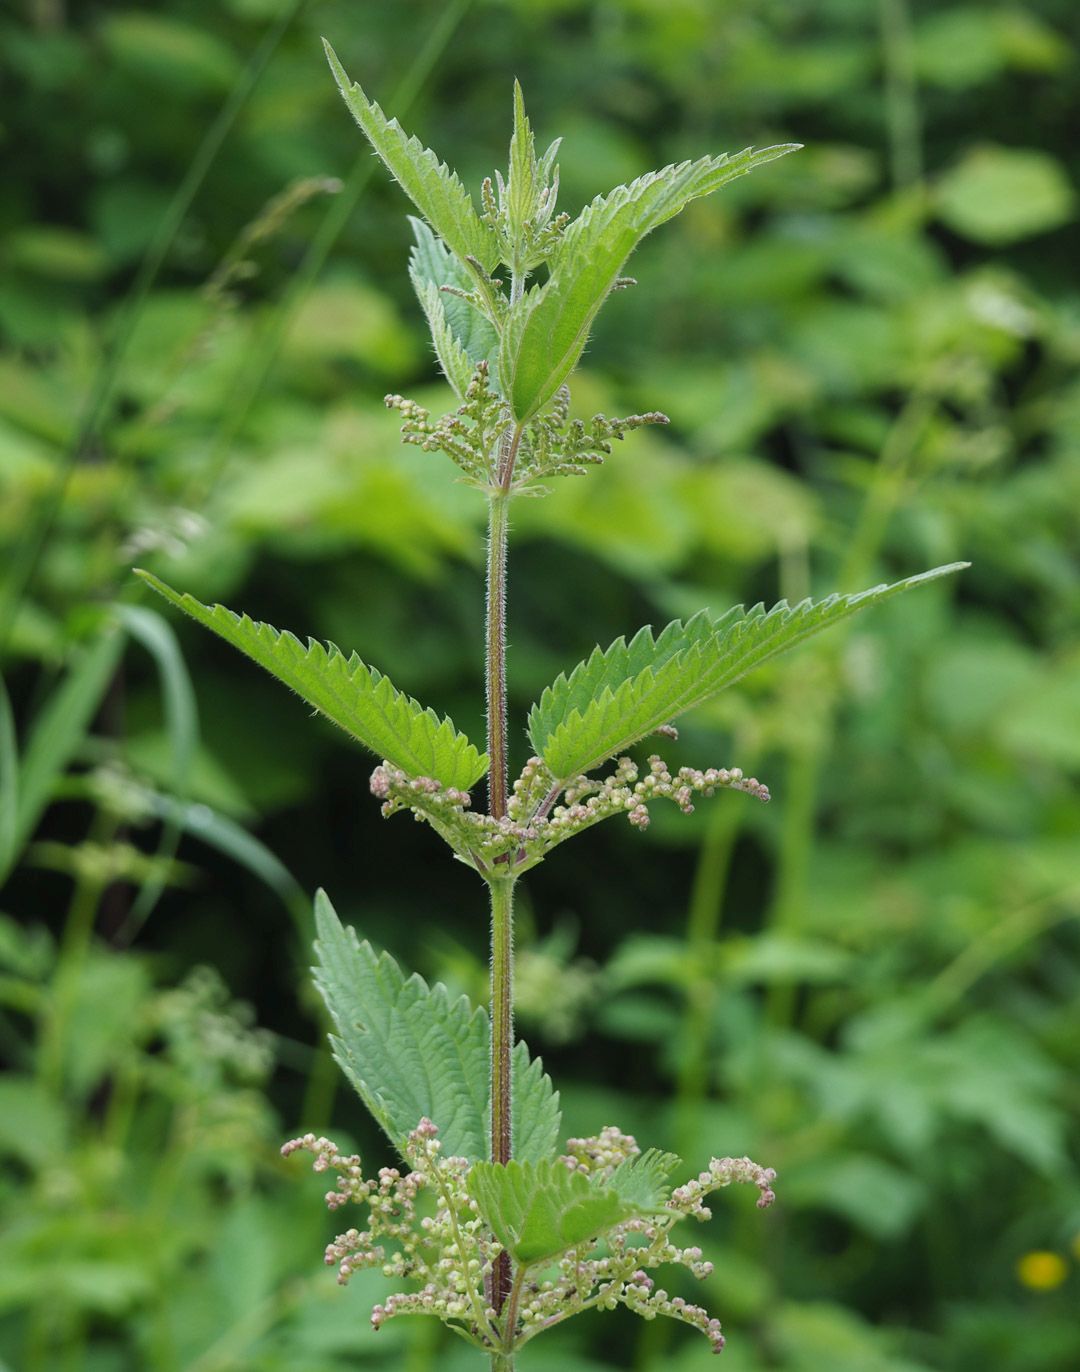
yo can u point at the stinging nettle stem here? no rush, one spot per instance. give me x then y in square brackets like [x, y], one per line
[498, 776]
[502, 887]
[502, 1042]
[502, 1015]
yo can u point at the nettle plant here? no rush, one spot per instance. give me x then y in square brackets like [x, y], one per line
[490, 1224]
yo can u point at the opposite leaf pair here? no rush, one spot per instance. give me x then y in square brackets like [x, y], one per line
[606, 704]
[582, 1228]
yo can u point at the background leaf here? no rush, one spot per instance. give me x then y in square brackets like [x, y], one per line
[999, 195]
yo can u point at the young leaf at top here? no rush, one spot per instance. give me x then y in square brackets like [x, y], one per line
[522, 185]
[462, 336]
[525, 224]
[354, 696]
[539, 1210]
[412, 1052]
[624, 694]
[547, 330]
[432, 187]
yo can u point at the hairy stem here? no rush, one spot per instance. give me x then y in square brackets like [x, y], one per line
[502, 1043]
[498, 776]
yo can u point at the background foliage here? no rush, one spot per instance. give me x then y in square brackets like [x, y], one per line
[869, 356]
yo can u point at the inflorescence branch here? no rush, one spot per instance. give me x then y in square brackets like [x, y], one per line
[443, 1248]
[552, 444]
[532, 827]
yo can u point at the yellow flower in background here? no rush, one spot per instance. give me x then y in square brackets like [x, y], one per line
[1040, 1270]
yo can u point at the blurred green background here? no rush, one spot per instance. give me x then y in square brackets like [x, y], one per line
[869, 354]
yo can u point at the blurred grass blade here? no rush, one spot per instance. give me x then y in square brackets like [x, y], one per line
[148, 628]
[57, 733]
[217, 831]
[178, 695]
[9, 780]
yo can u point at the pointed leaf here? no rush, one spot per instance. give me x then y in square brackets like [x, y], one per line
[432, 187]
[622, 695]
[413, 1052]
[356, 697]
[548, 329]
[539, 1210]
[409, 1050]
[522, 184]
[453, 359]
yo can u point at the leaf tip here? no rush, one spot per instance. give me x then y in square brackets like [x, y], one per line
[154, 582]
[326, 920]
[341, 76]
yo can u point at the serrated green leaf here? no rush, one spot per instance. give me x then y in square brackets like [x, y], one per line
[432, 187]
[358, 698]
[453, 359]
[547, 330]
[463, 337]
[539, 1210]
[624, 694]
[607, 670]
[537, 1118]
[413, 1052]
[521, 168]
[409, 1050]
[643, 1181]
